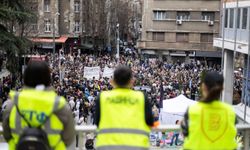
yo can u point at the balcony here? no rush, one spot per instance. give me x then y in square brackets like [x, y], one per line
[158, 45]
[196, 26]
[81, 131]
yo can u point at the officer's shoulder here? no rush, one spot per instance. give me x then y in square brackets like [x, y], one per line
[105, 92]
[139, 93]
[228, 106]
[12, 94]
[62, 102]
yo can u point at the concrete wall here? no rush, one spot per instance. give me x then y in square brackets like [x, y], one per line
[64, 17]
[51, 15]
[194, 26]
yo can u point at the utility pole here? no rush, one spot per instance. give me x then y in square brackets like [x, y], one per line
[54, 40]
[118, 43]
[54, 34]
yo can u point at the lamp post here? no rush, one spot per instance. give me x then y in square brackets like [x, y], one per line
[118, 43]
[54, 45]
[54, 34]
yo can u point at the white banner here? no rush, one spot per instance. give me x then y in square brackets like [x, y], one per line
[90, 72]
[108, 72]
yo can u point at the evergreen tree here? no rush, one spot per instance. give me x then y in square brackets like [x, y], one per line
[13, 16]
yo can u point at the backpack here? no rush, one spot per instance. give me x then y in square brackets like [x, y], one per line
[33, 138]
[89, 145]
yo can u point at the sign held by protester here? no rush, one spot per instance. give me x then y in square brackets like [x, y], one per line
[108, 72]
[90, 72]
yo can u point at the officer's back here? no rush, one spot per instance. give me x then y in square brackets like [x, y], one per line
[37, 108]
[123, 116]
[210, 124]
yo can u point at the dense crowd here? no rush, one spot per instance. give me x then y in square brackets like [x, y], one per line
[159, 79]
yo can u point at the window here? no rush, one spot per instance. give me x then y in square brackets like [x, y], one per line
[231, 16]
[83, 27]
[207, 16]
[160, 15]
[207, 37]
[33, 27]
[226, 18]
[47, 26]
[46, 5]
[158, 36]
[239, 18]
[244, 18]
[183, 15]
[182, 37]
[77, 26]
[77, 6]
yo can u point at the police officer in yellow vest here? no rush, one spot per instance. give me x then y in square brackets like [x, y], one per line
[35, 104]
[123, 116]
[210, 123]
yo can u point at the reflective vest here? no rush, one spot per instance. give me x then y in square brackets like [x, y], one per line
[122, 124]
[36, 106]
[211, 126]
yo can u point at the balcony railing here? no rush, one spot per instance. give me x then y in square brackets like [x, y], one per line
[81, 131]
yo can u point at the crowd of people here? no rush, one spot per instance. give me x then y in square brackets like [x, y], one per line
[159, 79]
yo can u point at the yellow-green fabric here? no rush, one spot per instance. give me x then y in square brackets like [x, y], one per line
[35, 105]
[211, 126]
[122, 120]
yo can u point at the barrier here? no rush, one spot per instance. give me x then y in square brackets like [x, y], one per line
[244, 129]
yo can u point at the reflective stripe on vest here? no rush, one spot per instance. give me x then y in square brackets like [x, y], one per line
[122, 130]
[47, 125]
[117, 147]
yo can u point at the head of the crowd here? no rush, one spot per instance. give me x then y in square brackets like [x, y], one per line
[212, 86]
[123, 77]
[37, 73]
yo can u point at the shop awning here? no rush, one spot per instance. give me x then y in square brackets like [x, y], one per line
[62, 39]
[212, 54]
[86, 46]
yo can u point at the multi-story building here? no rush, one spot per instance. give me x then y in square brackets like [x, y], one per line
[180, 27]
[69, 21]
[234, 42]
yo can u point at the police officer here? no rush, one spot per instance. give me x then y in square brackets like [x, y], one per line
[210, 123]
[123, 116]
[35, 103]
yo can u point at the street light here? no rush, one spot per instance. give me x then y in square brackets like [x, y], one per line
[54, 40]
[118, 43]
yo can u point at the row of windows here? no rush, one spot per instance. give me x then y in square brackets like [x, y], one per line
[47, 6]
[48, 26]
[183, 37]
[230, 16]
[182, 15]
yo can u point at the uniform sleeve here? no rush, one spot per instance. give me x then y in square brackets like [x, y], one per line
[65, 116]
[6, 127]
[148, 112]
[185, 125]
[98, 111]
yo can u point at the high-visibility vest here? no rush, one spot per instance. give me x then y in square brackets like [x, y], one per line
[122, 122]
[36, 106]
[211, 126]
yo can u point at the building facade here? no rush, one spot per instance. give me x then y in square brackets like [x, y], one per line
[82, 24]
[68, 21]
[179, 27]
[234, 42]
